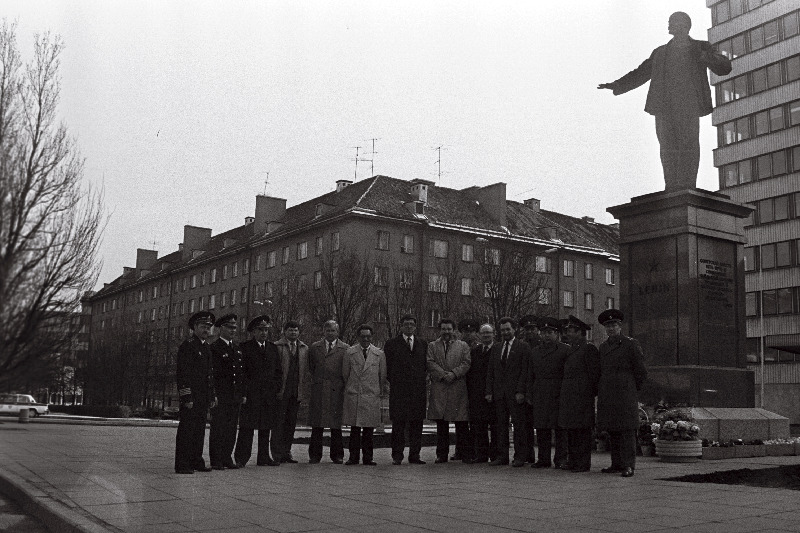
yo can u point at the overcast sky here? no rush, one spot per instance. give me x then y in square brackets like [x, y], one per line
[182, 108]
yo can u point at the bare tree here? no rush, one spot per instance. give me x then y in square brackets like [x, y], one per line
[50, 223]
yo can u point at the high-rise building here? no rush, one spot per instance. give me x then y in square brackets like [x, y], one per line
[758, 156]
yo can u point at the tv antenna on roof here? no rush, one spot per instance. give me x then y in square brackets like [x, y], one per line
[372, 154]
[439, 162]
[266, 182]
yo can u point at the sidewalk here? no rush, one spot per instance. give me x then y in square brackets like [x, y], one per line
[120, 478]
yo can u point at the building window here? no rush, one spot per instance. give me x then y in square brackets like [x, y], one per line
[318, 246]
[257, 266]
[254, 291]
[201, 303]
[569, 298]
[272, 259]
[406, 279]
[437, 283]
[285, 255]
[246, 267]
[408, 244]
[544, 264]
[302, 283]
[139, 319]
[609, 276]
[569, 268]
[224, 272]
[467, 253]
[466, 286]
[233, 297]
[213, 275]
[609, 303]
[588, 301]
[141, 298]
[212, 301]
[751, 304]
[588, 271]
[223, 298]
[153, 313]
[491, 256]
[284, 287]
[194, 281]
[544, 296]
[750, 259]
[435, 316]
[235, 269]
[381, 278]
[269, 289]
[317, 210]
[382, 240]
[438, 248]
[318, 279]
[302, 250]
[335, 241]
[243, 295]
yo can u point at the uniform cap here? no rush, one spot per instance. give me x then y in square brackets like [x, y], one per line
[610, 315]
[575, 322]
[259, 321]
[203, 317]
[528, 321]
[227, 320]
[550, 323]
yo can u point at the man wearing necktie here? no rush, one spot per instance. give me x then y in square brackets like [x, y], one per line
[327, 393]
[262, 385]
[481, 413]
[364, 374]
[196, 391]
[294, 361]
[406, 371]
[506, 385]
[228, 380]
[448, 363]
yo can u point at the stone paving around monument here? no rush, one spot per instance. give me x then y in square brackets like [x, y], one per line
[111, 478]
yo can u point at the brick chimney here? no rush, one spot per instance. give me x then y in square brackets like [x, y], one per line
[145, 258]
[269, 211]
[493, 200]
[341, 184]
[534, 204]
[419, 190]
[194, 238]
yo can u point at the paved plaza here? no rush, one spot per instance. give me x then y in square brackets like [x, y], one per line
[120, 478]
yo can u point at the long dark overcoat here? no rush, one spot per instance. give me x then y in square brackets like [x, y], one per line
[479, 409]
[327, 384]
[546, 372]
[406, 371]
[262, 382]
[622, 374]
[228, 371]
[194, 374]
[448, 401]
[579, 386]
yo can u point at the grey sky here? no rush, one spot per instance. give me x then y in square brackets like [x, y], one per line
[181, 108]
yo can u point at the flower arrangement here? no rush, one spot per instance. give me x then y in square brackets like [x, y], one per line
[675, 424]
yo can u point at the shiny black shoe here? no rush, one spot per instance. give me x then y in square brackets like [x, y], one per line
[611, 470]
[416, 461]
[440, 460]
[217, 467]
[580, 469]
[397, 462]
[203, 468]
[231, 466]
[351, 462]
[516, 463]
[184, 471]
[289, 460]
[456, 457]
[268, 462]
[337, 461]
[499, 462]
[627, 472]
[540, 465]
[314, 461]
[370, 463]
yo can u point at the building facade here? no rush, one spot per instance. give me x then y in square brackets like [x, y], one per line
[758, 121]
[370, 252]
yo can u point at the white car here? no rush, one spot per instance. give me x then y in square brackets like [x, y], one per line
[12, 404]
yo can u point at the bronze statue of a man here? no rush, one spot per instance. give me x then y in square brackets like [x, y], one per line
[679, 95]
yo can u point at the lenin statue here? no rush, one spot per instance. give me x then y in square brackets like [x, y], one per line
[679, 95]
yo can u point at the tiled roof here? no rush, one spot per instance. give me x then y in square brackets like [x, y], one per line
[388, 197]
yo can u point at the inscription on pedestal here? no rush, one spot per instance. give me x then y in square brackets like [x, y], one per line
[717, 304]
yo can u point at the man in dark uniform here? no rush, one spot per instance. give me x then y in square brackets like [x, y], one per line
[262, 384]
[578, 390]
[226, 358]
[196, 391]
[544, 387]
[622, 374]
[481, 412]
[407, 374]
[529, 332]
[506, 385]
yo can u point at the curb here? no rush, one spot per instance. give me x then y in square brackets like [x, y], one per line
[55, 516]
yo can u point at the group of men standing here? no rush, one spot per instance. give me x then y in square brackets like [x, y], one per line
[545, 387]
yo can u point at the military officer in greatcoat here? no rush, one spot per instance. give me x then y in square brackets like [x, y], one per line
[622, 374]
[544, 387]
[578, 390]
[262, 384]
[529, 332]
[226, 359]
[327, 393]
[407, 374]
[196, 391]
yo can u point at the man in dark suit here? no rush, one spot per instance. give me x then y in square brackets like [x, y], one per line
[262, 384]
[506, 385]
[294, 363]
[529, 332]
[622, 374]
[406, 372]
[481, 412]
[546, 371]
[196, 391]
[679, 94]
[228, 379]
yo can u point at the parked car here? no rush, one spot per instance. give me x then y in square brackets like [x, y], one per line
[12, 404]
